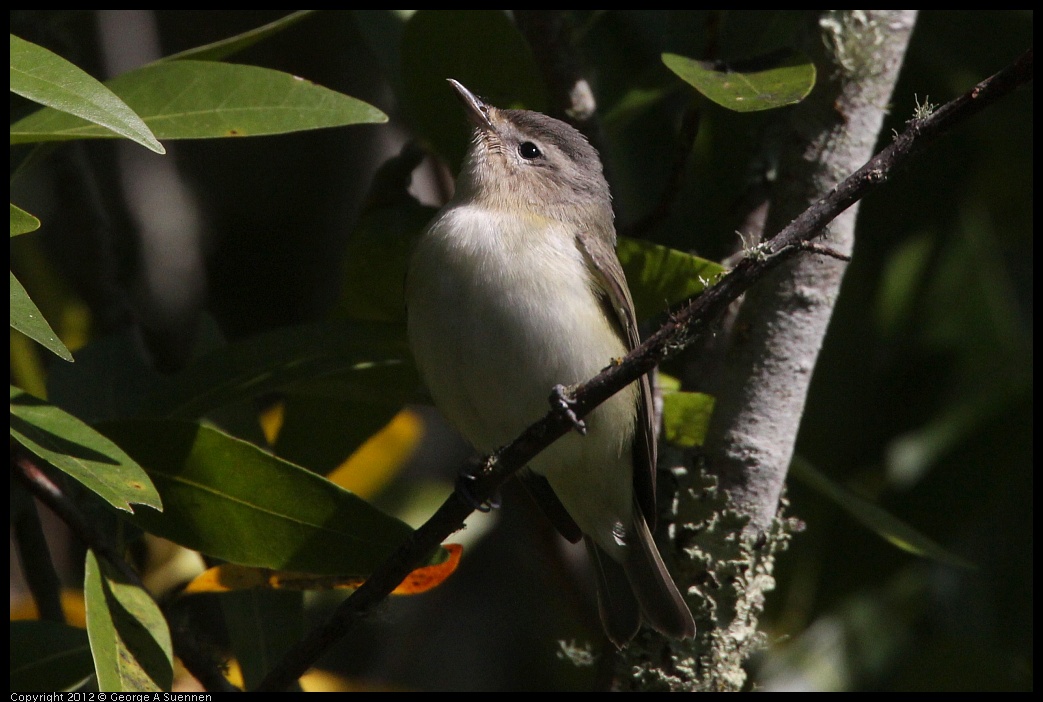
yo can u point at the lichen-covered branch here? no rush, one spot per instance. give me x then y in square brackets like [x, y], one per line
[730, 532]
[784, 319]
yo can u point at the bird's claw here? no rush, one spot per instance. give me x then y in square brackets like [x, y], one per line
[564, 405]
[468, 475]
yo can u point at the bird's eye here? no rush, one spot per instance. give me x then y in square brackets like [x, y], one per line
[529, 151]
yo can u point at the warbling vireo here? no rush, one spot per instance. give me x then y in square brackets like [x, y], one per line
[515, 288]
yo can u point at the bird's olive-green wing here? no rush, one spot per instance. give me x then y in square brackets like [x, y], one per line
[615, 295]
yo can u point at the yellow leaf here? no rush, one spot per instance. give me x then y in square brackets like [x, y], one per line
[377, 461]
[72, 606]
[271, 419]
[230, 577]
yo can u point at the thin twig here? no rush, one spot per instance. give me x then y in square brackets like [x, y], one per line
[37, 566]
[821, 250]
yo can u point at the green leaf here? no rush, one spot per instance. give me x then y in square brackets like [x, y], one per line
[380, 245]
[363, 360]
[44, 77]
[204, 99]
[686, 416]
[389, 384]
[910, 456]
[482, 49]
[111, 379]
[376, 259]
[128, 634]
[218, 50]
[660, 277]
[47, 656]
[22, 222]
[783, 77]
[74, 448]
[262, 626]
[878, 520]
[634, 103]
[27, 318]
[231, 500]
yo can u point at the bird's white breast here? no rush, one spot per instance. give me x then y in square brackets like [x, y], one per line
[501, 308]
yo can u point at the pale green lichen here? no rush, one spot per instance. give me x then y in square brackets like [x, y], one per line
[581, 656]
[852, 38]
[731, 573]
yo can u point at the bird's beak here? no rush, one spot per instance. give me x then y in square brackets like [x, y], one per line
[477, 111]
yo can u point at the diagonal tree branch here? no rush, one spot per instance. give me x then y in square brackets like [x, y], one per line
[694, 319]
